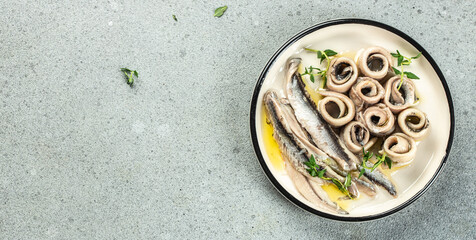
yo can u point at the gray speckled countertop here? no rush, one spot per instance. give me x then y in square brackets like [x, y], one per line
[84, 156]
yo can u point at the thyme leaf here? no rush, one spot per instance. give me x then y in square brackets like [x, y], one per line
[220, 11]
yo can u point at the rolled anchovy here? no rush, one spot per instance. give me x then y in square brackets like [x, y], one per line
[375, 62]
[309, 118]
[414, 123]
[399, 99]
[400, 147]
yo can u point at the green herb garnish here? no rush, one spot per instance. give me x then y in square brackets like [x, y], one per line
[309, 71]
[321, 55]
[383, 159]
[219, 11]
[366, 155]
[130, 75]
[174, 17]
[313, 167]
[404, 61]
[388, 162]
[316, 171]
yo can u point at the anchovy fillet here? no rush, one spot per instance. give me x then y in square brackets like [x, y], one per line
[365, 185]
[380, 179]
[286, 143]
[300, 136]
[309, 118]
[311, 191]
[308, 186]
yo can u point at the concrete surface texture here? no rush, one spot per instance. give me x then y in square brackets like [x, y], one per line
[84, 156]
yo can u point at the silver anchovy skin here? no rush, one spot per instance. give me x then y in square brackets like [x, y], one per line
[306, 113]
[365, 185]
[286, 143]
[296, 156]
[303, 141]
[380, 179]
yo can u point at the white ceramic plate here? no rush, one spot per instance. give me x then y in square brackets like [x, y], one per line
[351, 35]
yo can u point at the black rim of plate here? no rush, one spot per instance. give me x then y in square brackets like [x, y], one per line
[258, 89]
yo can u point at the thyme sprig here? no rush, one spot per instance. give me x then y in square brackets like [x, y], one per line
[130, 75]
[321, 55]
[317, 171]
[404, 61]
[366, 155]
[309, 71]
